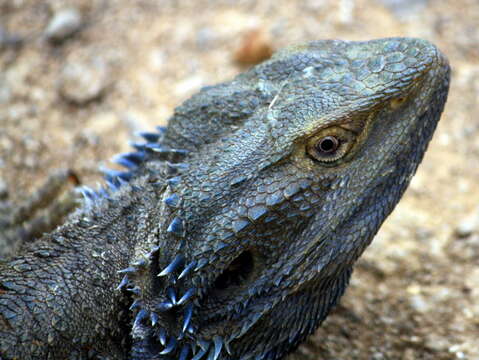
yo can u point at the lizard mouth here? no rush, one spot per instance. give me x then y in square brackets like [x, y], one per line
[228, 297]
[235, 275]
[230, 284]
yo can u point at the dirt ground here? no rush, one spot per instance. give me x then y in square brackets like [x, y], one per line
[77, 101]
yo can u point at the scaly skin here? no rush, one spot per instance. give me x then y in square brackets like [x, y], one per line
[241, 250]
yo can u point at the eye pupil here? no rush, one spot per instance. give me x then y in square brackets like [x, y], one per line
[327, 145]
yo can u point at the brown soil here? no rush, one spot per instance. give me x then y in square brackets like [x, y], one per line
[415, 292]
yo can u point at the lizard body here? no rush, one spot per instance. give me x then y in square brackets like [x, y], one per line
[235, 229]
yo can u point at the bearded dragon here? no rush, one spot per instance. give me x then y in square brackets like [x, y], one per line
[234, 230]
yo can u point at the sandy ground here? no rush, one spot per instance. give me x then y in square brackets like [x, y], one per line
[415, 292]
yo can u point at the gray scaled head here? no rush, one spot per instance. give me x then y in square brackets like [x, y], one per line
[293, 167]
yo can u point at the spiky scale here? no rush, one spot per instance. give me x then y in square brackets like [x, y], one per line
[218, 342]
[187, 269]
[123, 180]
[170, 292]
[186, 296]
[135, 290]
[153, 251]
[142, 314]
[228, 348]
[150, 136]
[162, 336]
[128, 270]
[113, 184]
[88, 194]
[136, 304]
[176, 227]
[137, 146]
[201, 264]
[177, 261]
[154, 318]
[164, 306]
[172, 200]
[139, 263]
[187, 317]
[129, 160]
[170, 347]
[123, 283]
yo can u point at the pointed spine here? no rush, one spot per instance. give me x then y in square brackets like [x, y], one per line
[170, 292]
[123, 283]
[187, 317]
[177, 261]
[142, 314]
[162, 336]
[176, 227]
[170, 347]
[172, 201]
[186, 296]
[218, 342]
[187, 269]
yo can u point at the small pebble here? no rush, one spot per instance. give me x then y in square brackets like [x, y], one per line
[469, 225]
[82, 82]
[9, 40]
[3, 190]
[255, 47]
[64, 24]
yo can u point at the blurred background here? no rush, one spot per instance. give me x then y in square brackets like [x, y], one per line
[78, 77]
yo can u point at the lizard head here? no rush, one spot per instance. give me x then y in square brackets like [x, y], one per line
[274, 207]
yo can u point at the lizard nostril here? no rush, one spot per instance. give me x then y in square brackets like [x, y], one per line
[237, 272]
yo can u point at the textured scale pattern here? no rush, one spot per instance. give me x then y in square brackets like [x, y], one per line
[226, 237]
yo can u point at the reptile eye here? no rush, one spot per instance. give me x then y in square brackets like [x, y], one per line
[327, 145]
[330, 144]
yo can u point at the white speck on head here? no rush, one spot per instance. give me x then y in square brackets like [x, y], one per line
[308, 72]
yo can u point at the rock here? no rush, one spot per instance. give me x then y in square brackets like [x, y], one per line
[64, 24]
[9, 40]
[420, 304]
[3, 190]
[255, 48]
[468, 225]
[84, 81]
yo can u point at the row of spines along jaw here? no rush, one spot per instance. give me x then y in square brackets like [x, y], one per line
[177, 270]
